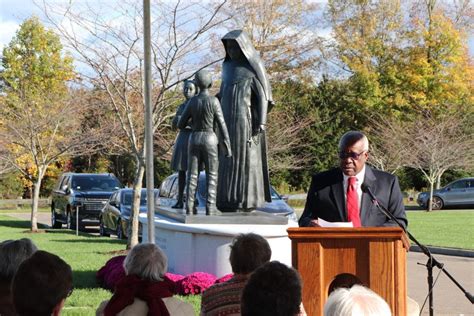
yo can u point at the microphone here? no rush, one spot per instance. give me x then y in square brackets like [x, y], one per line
[366, 189]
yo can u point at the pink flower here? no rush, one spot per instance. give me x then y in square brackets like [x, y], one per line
[195, 283]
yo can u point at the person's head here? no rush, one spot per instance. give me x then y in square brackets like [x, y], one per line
[203, 79]
[41, 285]
[12, 253]
[357, 300]
[353, 152]
[248, 252]
[274, 290]
[189, 89]
[147, 261]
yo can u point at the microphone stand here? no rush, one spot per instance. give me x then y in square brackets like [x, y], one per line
[432, 262]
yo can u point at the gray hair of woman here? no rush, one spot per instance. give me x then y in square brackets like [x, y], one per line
[357, 300]
[146, 261]
[12, 253]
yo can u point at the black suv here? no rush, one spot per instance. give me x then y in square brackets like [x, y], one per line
[86, 192]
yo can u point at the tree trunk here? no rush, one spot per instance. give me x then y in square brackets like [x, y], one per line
[430, 206]
[137, 190]
[438, 181]
[34, 202]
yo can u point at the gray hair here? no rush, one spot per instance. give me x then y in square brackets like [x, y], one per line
[352, 137]
[358, 300]
[12, 253]
[146, 261]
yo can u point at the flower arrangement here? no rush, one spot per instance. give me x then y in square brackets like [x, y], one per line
[194, 283]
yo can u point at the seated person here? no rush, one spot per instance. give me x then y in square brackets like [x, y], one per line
[272, 290]
[142, 291]
[357, 300]
[247, 253]
[41, 285]
[12, 253]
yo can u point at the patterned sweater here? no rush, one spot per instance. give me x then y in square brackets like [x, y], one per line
[223, 299]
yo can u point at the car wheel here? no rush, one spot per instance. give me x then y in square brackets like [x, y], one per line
[120, 234]
[54, 220]
[102, 230]
[70, 221]
[437, 203]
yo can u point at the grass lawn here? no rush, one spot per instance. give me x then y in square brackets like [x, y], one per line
[85, 253]
[449, 228]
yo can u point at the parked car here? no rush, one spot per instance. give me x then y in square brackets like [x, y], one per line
[457, 193]
[115, 216]
[169, 193]
[83, 192]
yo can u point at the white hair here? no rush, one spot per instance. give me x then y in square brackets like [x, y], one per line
[352, 137]
[146, 261]
[12, 253]
[356, 301]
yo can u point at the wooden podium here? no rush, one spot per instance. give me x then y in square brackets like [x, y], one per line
[374, 255]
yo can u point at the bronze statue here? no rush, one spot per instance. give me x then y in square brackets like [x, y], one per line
[245, 96]
[179, 160]
[205, 114]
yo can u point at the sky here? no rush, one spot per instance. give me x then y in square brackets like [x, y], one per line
[13, 12]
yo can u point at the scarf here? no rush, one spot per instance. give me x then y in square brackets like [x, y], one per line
[131, 287]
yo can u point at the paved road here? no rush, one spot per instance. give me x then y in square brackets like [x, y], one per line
[448, 298]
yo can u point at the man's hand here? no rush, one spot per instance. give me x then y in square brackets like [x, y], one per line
[313, 223]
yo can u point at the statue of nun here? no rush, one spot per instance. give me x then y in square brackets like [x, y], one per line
[246, 97]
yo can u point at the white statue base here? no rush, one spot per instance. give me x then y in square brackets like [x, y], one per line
[205, 247]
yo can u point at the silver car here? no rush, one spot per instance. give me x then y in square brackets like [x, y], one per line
[457, 193]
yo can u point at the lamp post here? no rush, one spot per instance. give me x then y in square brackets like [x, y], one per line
[148, 124]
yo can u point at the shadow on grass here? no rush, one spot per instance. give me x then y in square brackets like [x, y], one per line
[84, 279]
[26, 224]
[97, 240]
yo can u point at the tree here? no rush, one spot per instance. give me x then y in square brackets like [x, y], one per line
[432, 145]
[110, 47]
[39, 122]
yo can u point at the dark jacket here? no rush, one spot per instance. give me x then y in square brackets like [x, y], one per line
[325, 199]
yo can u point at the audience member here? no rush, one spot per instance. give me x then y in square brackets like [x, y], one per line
[272, 290]
[41, 285]
[143, 291]
[357, 300]
[248, 252]
[12, 254]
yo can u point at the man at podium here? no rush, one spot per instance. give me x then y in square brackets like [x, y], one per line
[337, 195]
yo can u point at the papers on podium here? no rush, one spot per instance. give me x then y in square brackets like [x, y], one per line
[323, 223]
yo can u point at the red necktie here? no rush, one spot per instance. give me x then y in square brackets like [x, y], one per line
[353, 202]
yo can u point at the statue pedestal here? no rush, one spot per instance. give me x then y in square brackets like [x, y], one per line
[205, 247]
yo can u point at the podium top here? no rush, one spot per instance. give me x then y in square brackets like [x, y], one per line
[300, 233]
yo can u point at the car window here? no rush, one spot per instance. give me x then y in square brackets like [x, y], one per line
[127, 198]
[274, 194]
[95, 183]
[459, 184]
[165, 187]
[65, 182]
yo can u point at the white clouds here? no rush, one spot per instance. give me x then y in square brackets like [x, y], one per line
[9, 29]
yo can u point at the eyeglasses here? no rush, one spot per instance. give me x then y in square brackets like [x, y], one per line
[352, 155]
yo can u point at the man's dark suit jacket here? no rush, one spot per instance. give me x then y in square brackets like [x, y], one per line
[326, 199]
